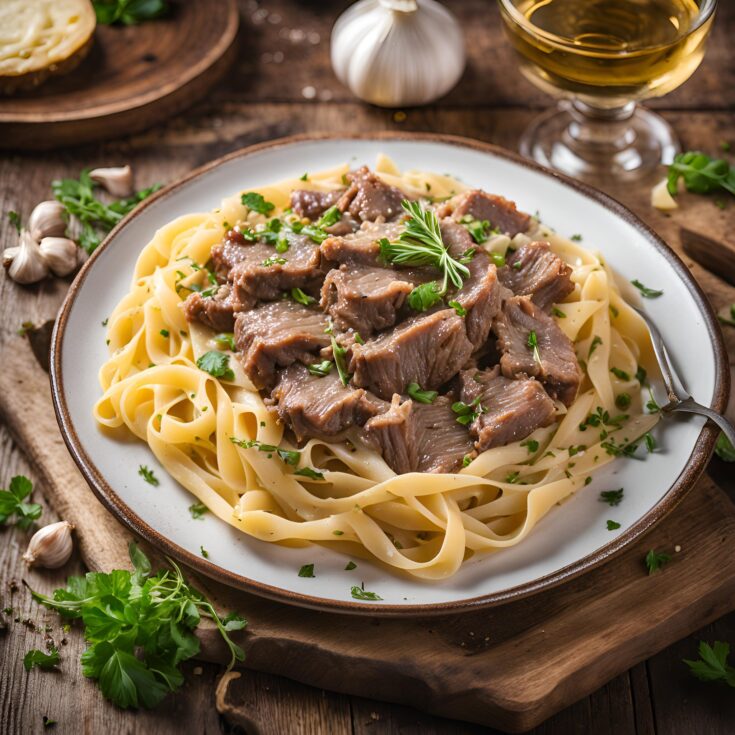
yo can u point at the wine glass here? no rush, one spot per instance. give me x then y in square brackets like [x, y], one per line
[601, 57]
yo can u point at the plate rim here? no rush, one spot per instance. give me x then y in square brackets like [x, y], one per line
[701, 452]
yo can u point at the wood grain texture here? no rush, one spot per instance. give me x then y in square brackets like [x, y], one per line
[133, 77]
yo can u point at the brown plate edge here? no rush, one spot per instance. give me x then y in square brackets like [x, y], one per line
[695, 466]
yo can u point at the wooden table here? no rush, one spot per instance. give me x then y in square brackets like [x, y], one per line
[282, 84]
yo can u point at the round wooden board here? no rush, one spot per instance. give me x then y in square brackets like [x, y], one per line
[133, 77]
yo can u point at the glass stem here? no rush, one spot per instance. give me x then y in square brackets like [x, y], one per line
[606, 130]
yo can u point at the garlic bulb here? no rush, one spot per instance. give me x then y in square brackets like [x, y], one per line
[50, 546]
[398, 52]
[118, 181]
[25, 263]
[47, 220]
[60, 254]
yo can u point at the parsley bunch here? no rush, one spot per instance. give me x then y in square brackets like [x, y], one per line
[139, 627]
[12, 502]
[77, 195]
[128, 12]
[701, 174]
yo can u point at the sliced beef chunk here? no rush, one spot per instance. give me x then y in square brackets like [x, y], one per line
[535, 271]
[216, 311]
[232, 250]
[319, 407]
[313, 204]
[511, 409]
[428, 349]
[361, 246]
[417, 437]
[500, 212]
[480, 294]
[276, 335]
[261, 276]
[555, 364]
[369, 198]
[364, 298]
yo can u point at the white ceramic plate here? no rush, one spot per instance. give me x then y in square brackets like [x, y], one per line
[565, 543]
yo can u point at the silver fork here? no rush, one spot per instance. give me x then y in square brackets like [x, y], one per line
[679, 398]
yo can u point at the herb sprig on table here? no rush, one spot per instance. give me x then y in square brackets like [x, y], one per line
[712, 664]
[701, 174]
[12, 503]
[139, 627]
[128, 12]
[96, 217]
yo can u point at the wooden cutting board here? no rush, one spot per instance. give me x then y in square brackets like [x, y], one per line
[509, 667]
[132, 78]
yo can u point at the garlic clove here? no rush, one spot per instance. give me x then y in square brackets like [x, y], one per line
[50, 546]
[661, 198]
[60, 254]
[25, 264]
[48, 219]
[117, 180]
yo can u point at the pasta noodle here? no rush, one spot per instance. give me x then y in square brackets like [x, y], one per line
[422, 524]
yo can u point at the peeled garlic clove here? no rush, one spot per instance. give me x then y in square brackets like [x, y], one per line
[50, 546]
[48, 219]
[661, 198]
[60, 254]
[118, 180]
[25, 264]
[398, 52]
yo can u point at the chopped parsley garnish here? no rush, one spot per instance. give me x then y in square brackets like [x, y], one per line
[12, 502]
[422, 396]
[517, 265]
[576, 238]
[320, 368]
[531, 444]
[647, 293]
[532, 344]
[139, 627]
[256, 203]
[656, 559]
[275, 260]
[650, 442]
[596, 342]
[622, 401]
[729, 321]
[612, 497]
[204, 552]
[701, 174]
[479, 229]
[612, 525]
[360, 593]
[217, 364]
[300, 297]
[226, 339]
[350, 566]
[310, 473]
[305, 177]
[613, 311]
[41, 659]
[627, 449]
[197, 510]
[498, 259]
[467, 412]
[340, 354]
[359, 339]
[307, 571]
[458, 308]
[423, 297]
[712, 663]
[621, 374]
[512, 477]
[14, 219]
[467, 460]
[289, 456]
[147, 474]
[558, 312]
[641, 375]
[329, 218]
[128, 13]
[651, 404]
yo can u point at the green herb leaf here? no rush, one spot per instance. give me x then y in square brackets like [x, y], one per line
[724, 449]
[612, 497]
[531, 444]
[217, 364]
[621, 374]
[350, 566]
[712, 664]
[204, 552]
[256, 203]
[329, 218]
[424, 296]
[300, 297]
[701, 174]
[656, 559]
[596, 342]
[41, 659]
[558, 312]
[310, 473]
[458, 308]
[321, 368]
[197, 510]
[729, 321]
[128, 12]
[14, 219]
[226, 339]
[12, 503]
[612, 525]
[532, 343]
[622, 401]
[647, 293]
[576, 238]
[340, 354]
[307, 571]
[421, 396]
[274, 260]
[360, 593]
[467, 412]
[147, 475]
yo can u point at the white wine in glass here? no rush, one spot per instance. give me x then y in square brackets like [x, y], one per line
[601, 57]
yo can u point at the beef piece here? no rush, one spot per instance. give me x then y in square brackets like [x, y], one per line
[254, 280]
[361, 246]
[533, 270]
[511, 409]
[345, 226]
[480, 294]
[417, 437]
[428, 349]
[497, 210]
[278, 334]
[215, 311]
[319, 407]
[232, 250]
[369, 198]
[557, 366]
[363, 298]
[313, 204]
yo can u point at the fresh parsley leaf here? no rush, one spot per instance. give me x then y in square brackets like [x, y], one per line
[467, 460]
[458, 308]
[622, 401]
[701, 174]
[274, 260]
[576, 238]
[338, 533]
[289, 456]
[47, 721]
[421, 396]
[14, 219]
[612, 525]
[226, 339]
[300, 297]
[340, 354]
[197, 510]
[304, 177]
[320, 368]
[620, 374]
[307, 571]
[147, 475]
[641, 375]
[329, 218]
[647, 293]
[596, 342]
[12, 502]
[467, 412]
[650, 442]
[612, 497]
[724, 449]
[532, 343]
[712, 664]
[656, 559]
[256, 203]
[558, 312]
[531, 444]
[424, 296]
[41, 659]
[204, 552]
[360, 593]
[128, 12]
[479, 229]
[217, 364]
[310, 473]
[350, 566]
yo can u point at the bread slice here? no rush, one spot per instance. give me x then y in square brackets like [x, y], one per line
[39, 38]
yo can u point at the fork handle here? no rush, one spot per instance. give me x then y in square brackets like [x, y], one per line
[691, 406]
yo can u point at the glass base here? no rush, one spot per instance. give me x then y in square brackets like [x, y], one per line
[595, 145]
